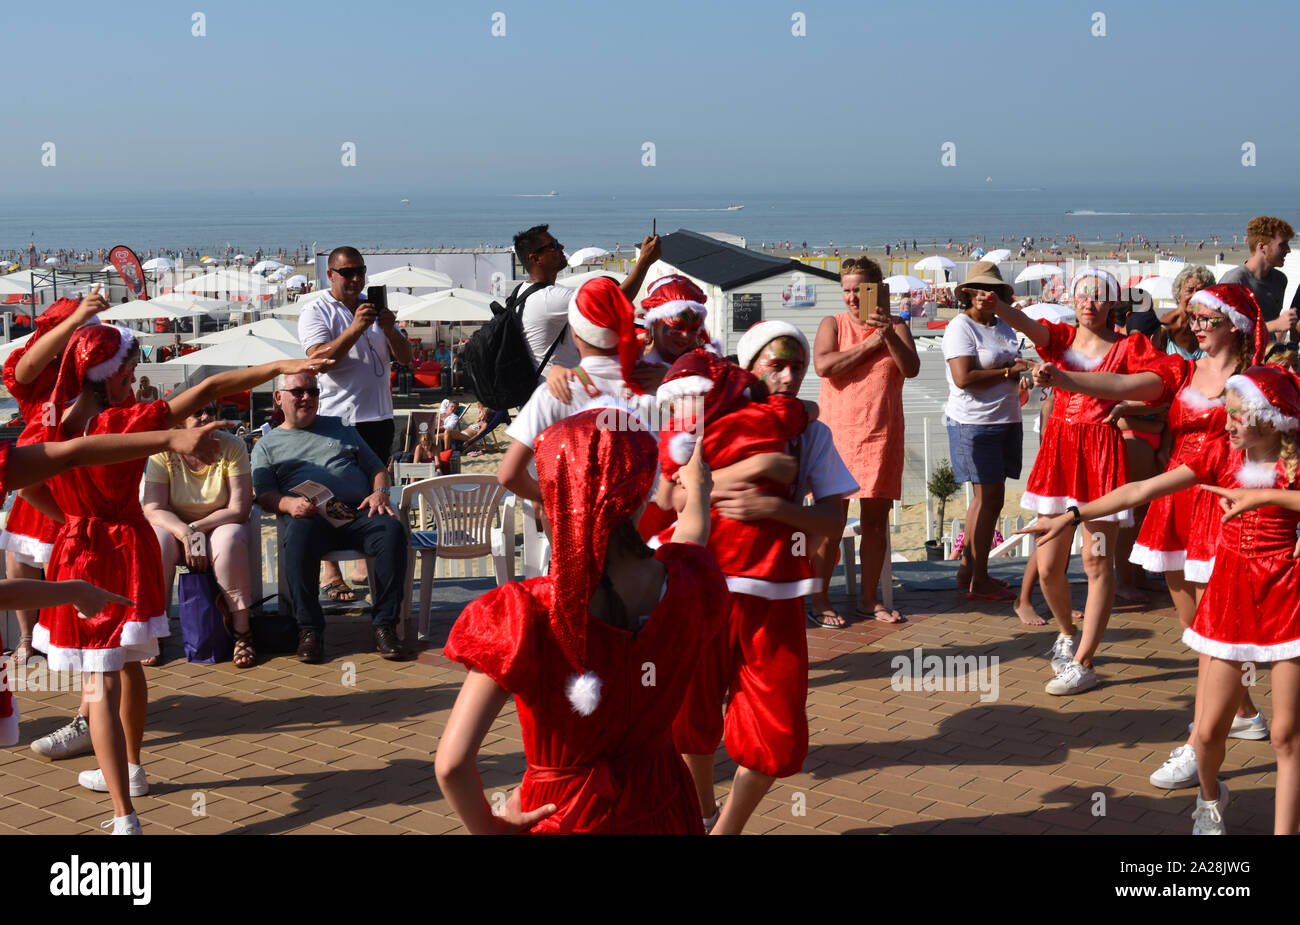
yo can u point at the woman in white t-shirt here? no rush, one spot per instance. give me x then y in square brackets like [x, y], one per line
[983, 421]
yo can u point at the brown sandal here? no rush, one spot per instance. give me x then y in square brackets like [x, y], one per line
[245, 656]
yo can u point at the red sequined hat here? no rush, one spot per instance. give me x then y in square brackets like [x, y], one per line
[1272, 394]
[1239, 305]
[94, 353]
[595, 470]
[601, 315]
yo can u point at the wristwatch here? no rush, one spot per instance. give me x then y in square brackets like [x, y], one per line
[1078, 518]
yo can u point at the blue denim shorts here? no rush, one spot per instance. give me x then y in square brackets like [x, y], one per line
[984, 453]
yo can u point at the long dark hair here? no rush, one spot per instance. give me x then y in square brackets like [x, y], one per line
[624, 542]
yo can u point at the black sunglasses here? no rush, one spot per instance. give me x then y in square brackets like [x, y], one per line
[556, 245]
[349, 272]
[208, 411]
[313, 392]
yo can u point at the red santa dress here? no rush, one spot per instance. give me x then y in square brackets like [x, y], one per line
[1082, 453]
[761, 657]
[106, 539]
[28, 533]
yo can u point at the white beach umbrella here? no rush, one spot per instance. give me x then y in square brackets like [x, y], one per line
[296, 280]
[268, 328]
[447, 306]
[157, 263]
[216, 308]
[1039, 271]
[10, 286]
[904, 283]
[934, 263]
[1160, 287]
[248, 350]
[409, 277]
[1050, 311]
[147, 310]
[227, 281]
[579, 257]
[51, 261]
[997, 256]
[263, 266]
[278, 275]
[575, 280]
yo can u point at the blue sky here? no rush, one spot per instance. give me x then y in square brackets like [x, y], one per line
[727, 94]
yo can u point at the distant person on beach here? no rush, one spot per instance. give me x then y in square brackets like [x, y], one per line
[546, 307]
[363, 341]
[863, 365]
[1268, 240]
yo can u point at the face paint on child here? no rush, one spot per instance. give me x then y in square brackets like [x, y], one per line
[676, 336]
[781, 366]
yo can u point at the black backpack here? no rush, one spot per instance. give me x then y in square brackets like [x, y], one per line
[497, 358]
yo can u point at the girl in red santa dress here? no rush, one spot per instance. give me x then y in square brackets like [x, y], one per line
[1181, 530]
[597, 655]
[1081, 458]
[24, 466]
[107, 540]
[29, 373]
[1250, 611]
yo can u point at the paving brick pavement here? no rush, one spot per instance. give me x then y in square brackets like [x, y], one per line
[346, 746]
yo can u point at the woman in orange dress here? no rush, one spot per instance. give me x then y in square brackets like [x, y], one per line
[863, 365]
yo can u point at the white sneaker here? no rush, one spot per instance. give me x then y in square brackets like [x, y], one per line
[1063, 650]
[1245, 727]
[1179, 771]
[66, 742]
[123, 825]
[94, 780]
[1074, 678]
[1207, 818]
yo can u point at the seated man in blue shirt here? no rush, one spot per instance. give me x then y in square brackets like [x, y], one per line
[321, 449]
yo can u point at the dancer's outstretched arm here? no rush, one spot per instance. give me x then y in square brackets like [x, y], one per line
[35, 594]
[1126, 497]
[236, 380]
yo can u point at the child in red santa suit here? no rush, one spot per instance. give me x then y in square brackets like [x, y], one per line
[1250, 611]
[761, 656]
[598, 654]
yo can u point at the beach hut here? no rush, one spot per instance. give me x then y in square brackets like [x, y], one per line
[745, 287]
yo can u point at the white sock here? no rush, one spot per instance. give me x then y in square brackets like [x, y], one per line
[132, 768]
[128, 819]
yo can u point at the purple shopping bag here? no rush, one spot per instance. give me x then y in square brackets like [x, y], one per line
[202, 629]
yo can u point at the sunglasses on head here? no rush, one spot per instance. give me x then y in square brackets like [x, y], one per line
[349, 272]
[861, 263]
[312, 392]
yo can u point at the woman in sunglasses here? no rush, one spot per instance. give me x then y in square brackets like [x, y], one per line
[184, 497]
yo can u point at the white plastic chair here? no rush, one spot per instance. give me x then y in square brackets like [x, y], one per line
[461, 510]
[853, 530]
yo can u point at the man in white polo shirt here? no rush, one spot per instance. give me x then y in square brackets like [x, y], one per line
[363, 341]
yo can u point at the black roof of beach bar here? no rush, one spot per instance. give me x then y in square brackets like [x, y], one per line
[727, 265]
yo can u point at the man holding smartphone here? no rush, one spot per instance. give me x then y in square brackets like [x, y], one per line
[363, 339]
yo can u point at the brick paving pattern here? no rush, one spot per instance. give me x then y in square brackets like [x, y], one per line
[346, 746]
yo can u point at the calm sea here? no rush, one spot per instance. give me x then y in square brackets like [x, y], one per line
[211, 220]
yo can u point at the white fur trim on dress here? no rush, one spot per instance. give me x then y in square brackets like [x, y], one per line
[1255, 401]
[1209, 300]
[773, 590]
[604, 338]
[9, 726]
[1241, 651]
[682, 387]
[1195, 399]
[28, 549]
[583, 692]
[1082, 361]
[1257, 474]
[1198, 570]
[101, 371]
[1158, 560]
[1058, 505]
[673, 309]
[137, 644]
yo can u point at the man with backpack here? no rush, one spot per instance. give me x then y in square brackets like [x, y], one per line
[546, 305]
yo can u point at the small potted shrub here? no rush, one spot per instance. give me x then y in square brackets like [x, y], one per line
[942, 484]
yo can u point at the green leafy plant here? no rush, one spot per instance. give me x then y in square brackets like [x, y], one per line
[943, 485]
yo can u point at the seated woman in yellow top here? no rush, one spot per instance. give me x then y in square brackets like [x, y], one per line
[184, 496]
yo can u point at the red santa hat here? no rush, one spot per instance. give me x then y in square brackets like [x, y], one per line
[1239, 305]
[52, 317]
[671, 295]
[723, 384]
[94, 353]
[595, 470]
[602, 315]
[1272, 394]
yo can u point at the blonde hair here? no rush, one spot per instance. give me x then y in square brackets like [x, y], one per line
[1289, 456]
[861, 266]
